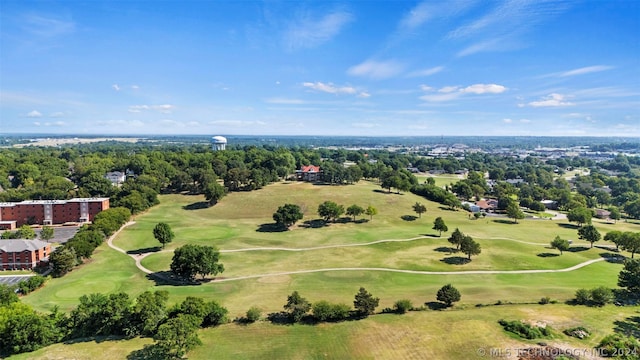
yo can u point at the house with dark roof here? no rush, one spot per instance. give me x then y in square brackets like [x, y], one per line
[309, 173]
[20, 254]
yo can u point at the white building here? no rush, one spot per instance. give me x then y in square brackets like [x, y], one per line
[218, 143]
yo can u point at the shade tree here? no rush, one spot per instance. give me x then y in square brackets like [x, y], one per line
[470, 247]
[560, 244]
[448, 295]
[287, 215]
[163, 233]
[589, 233]
[439, 225]
[419, 209]
[355, 210]
[365, 303]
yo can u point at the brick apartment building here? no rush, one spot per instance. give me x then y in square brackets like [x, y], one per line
[18, 254]
[50, 212]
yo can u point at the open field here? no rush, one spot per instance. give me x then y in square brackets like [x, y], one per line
[240, 223]
[416, 335]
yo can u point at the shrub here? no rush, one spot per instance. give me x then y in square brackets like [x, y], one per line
[620, 346]
[325, 311]
[525, 330]
[545, 300]
[402, 306]
[601, 296]
[253, 314]
[31, 284]
[583, 296]
[578, 332]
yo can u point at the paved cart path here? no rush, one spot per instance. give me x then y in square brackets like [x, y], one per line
[138, 258]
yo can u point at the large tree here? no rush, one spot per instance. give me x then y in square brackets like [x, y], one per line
[456, 238]
[364, 303]
[514, 212]
[287, 215]
[213, 192]
[581, 215]
[469, 246]
[191, 260]
[448, 295]
[439, 225]
[297, 306]
[560, 244]
[354, 210]
[329, 210]
[631, 242]
[629, 276]
[162, 232]
[419, 209]
[589, 233]
[617, 237]
[178, 335]
[62, 260]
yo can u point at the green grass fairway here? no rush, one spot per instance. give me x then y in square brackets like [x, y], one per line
[240, 222]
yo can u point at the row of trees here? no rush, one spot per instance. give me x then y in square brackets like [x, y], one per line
[288, 214]
[364, 304]
[173, 328]
[82, 245]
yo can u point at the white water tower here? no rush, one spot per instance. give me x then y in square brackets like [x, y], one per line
[218, 143]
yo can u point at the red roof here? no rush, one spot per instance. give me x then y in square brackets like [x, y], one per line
[310, 168]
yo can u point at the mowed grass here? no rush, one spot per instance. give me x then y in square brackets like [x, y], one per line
[452, 334]
[235, 223]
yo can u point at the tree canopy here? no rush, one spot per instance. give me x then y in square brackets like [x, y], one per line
[191, 260]
[162, 232]
[329, 210]
[560, 244]
[589, 233]
[440, 226]
[448, 295]
[287, 215]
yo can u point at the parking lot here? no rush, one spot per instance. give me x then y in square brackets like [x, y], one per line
[12, 279]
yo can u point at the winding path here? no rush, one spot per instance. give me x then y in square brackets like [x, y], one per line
[138, 258]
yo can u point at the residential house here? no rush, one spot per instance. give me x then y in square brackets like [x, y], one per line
[19, 254]
[487, 205]
[309, 173]
[550, 204]
[602, 214]
[116, 177]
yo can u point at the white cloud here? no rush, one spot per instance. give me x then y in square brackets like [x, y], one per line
[425, 11]
[135, 87]
[484, 89]
[309, 33]
[115, 87]
[525, 121]
[165, 108]
[447, 93]
[329, 88]
[57, 114]
[47, 26]
[426, 72]
[552, 100]
[586, 70]
[364, 95]
[447, 89]
[507, 121]
[34, 114]
[36, 123]
[376, 69]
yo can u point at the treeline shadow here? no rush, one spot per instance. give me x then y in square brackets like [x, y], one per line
[547, 255]
[435, 305]
[446, 249]
[504, 221]
[167, 278]
[575, 249]
[144, 250]
[196, 205]
[613, 258]
[379, 191]
[629, 326]
[314, 224]
[271, 228]
[569, 226]
[456, 260]
[149, 352]
[96, 339]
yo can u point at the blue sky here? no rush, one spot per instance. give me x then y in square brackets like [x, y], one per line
[374, 68]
